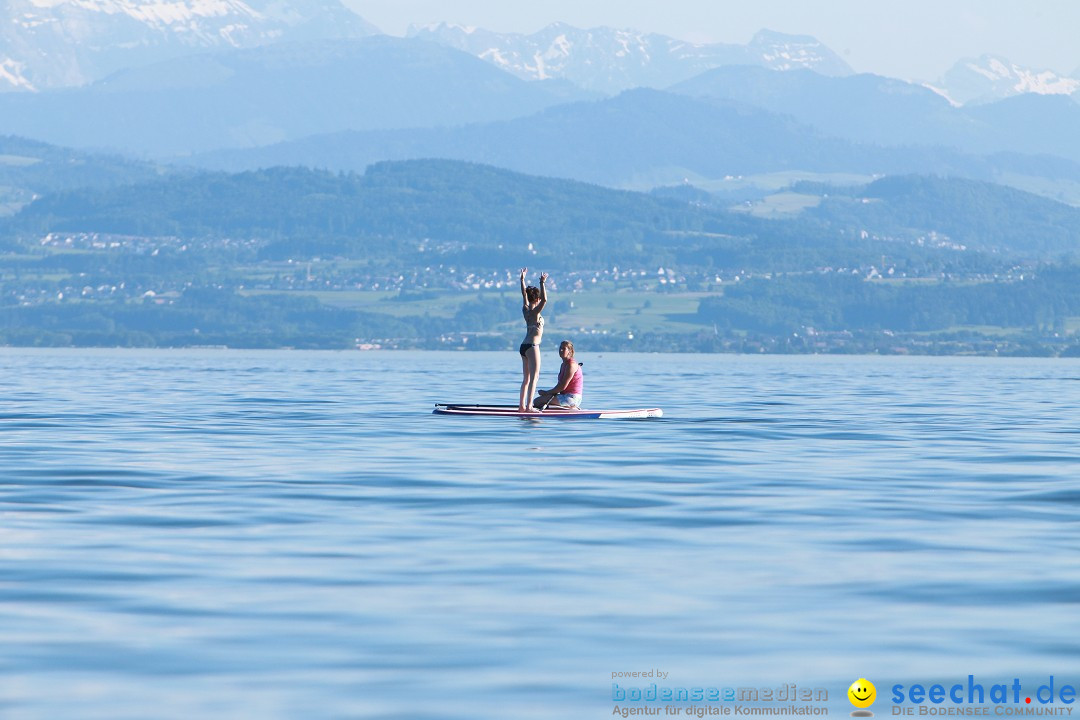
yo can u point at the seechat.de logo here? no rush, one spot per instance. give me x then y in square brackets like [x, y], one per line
[862, 694]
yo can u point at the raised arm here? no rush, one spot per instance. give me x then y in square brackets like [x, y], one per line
[543, 292]
[521, 278]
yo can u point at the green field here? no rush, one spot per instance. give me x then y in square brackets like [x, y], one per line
[581, 310]
[1062, 190]
[18, 160]
[668, 312]
[779, 205]
[675, 175]
[777, 180]
[385, 302]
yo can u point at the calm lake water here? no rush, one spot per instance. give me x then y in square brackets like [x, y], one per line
[231, 534]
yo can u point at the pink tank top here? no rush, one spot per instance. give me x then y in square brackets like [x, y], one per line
[574, 387]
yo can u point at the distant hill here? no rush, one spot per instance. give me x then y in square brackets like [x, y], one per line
[883, 111]
[1043, 124]
[286, 91]
[638, 133]
[66, 43]
[608, 60]
[29, 168]
[488, 217]
[956, 211]
[865, 108]
[412, 215]
[639, 139]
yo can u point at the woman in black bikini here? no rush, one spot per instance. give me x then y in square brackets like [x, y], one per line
[533, 300]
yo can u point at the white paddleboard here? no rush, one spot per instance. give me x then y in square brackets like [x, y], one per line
[551, 412]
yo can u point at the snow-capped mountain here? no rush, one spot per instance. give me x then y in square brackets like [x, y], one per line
[608, 60]
[276, 92]
[61, 43]
[991, 78]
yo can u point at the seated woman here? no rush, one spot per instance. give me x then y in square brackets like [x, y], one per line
[567, 391]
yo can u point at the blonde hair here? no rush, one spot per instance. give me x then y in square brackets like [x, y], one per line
[568, 344]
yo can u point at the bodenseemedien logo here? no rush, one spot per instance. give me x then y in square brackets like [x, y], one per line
[701, 701]
[862, 694]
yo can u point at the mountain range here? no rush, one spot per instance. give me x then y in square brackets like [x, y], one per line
[645, 138]
[884, 111]
[608, 60]
[990, 77]
[346, 103]
[233, 86]
[50, 44]
[640, 138]
[279, 92]
[47, 44]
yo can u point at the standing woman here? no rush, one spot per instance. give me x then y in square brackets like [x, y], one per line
[533, 300]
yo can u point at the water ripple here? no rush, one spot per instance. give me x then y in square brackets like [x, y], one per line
[293, 534]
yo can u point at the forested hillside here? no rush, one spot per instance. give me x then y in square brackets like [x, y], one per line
[976, 214]
[424, 254]
[490, 218]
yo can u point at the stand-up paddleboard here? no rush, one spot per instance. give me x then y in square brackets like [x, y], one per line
[551, 412]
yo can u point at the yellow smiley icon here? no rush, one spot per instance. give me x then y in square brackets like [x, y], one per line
[862, 693]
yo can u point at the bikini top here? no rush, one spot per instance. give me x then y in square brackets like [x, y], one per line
[538, 326]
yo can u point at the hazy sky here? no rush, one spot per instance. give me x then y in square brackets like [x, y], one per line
[910, 39]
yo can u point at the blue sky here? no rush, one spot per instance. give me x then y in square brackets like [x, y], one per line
[914, 39]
